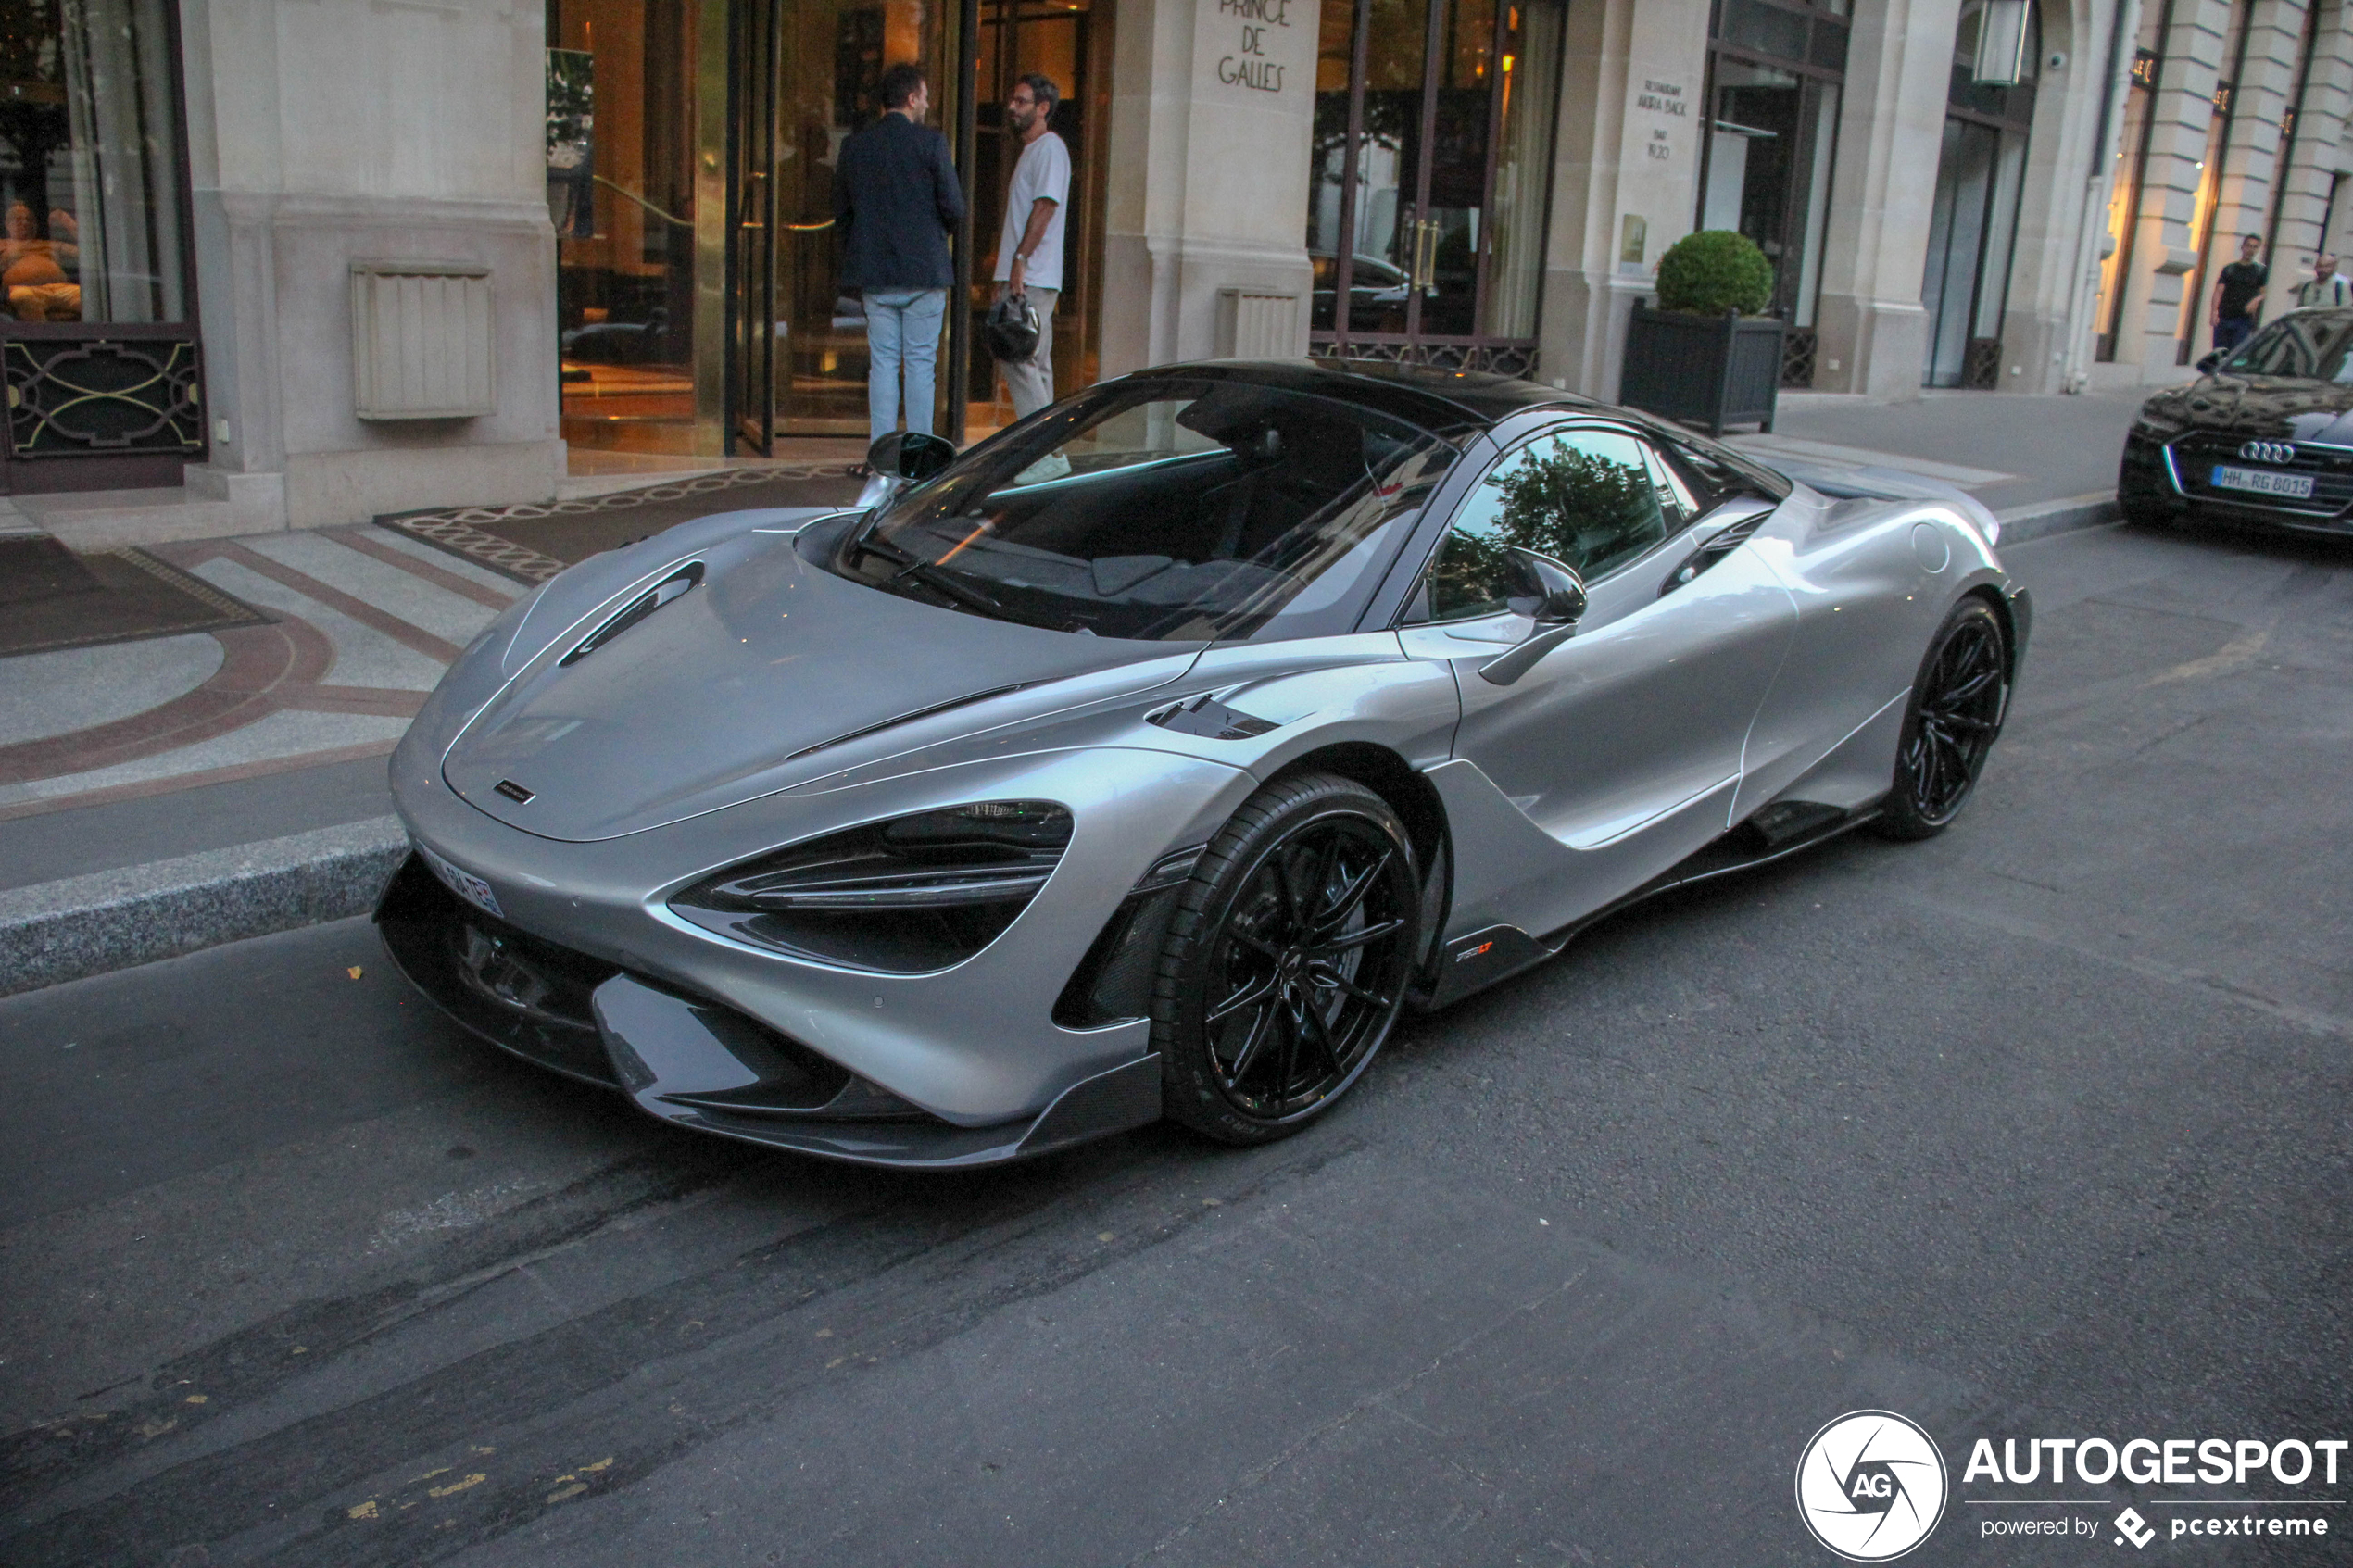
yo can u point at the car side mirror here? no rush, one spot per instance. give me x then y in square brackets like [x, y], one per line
[1563, 600]
[899, 459]
[1560, 606]
[911, 456]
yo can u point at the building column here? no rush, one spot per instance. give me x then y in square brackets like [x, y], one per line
[2065, 188]
[1873, 332]
[2315, 160]
[1212, 109]
[1625, 177]
[2181, 120]
[320, 136]
[2333, 155]
[2333, 82]
[2259, 100]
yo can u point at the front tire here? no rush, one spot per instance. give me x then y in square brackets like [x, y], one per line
[1958, 700]
[1288, 960]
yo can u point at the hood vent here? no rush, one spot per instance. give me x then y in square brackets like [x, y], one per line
[673, 586]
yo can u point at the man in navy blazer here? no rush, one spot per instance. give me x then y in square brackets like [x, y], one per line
[897, 199]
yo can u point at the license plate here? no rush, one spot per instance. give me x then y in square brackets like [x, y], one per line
[464, 883]
[2293, 486]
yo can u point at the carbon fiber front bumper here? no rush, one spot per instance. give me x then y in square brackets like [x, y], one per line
[696, 1062]
[972, 1053]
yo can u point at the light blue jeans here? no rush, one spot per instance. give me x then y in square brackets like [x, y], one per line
[902, 330]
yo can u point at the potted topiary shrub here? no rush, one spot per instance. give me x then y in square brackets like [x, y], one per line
[1708, 355]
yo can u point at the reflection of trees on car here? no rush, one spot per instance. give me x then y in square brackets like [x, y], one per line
[1575, 506]
[1579, 508]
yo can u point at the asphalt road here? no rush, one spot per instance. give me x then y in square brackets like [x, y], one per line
[2041, 1128]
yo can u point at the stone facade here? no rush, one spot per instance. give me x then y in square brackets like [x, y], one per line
[325, 134]
[321, 134]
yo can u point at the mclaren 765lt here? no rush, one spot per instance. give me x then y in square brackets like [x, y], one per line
[1152, 755]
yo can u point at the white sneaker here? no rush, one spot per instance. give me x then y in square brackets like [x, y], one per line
[1053, 465]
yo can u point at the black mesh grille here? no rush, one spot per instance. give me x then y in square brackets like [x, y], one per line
[512, 988]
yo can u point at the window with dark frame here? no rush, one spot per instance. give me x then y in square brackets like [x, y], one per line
[1775, 74]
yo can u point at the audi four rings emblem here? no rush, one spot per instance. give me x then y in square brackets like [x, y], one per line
[2269, 452]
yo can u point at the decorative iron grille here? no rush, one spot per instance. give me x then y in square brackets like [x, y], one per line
[1497, 359]
[1797, 356]
[1981, 364]
[78, 397]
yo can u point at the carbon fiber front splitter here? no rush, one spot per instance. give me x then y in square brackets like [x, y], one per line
[701, 1065]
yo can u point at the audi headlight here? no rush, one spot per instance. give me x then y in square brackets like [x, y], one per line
[901, 897]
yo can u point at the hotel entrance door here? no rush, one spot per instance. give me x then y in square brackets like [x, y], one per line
[691, 149]
[806, 74]
[690, 160]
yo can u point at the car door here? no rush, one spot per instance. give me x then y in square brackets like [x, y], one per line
[1624, 743]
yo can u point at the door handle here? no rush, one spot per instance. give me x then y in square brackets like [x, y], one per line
[1425, 253]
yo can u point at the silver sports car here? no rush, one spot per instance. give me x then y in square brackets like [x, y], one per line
[1152, 757]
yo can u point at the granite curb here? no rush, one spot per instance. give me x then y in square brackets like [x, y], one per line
[53, 931]
[2022, 526]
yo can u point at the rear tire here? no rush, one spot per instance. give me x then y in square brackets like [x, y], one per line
[1288, 960]
[1958, 700]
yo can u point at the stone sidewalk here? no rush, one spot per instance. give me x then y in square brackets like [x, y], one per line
[252, 757]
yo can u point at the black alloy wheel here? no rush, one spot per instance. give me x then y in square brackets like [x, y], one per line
[1287, 960]
[1957, 704]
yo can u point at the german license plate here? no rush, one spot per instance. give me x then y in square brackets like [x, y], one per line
[2263, 481]
[464, 883]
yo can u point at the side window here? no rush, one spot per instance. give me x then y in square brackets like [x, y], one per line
[1586, 498]
[1475, 574]
[1720, 477]
[1677, 495]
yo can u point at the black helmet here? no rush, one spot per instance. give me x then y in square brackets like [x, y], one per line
[1013, 329]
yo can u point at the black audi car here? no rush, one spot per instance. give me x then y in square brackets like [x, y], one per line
[2267, 438]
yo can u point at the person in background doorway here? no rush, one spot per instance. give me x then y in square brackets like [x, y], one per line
[1029, 251]
[2324, 288]
[2239, 294]
[897, 198]
[33, 269]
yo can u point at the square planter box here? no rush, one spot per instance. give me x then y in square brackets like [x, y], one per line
[1711, 371]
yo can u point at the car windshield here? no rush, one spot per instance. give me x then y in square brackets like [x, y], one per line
[1163, 510]
[2305, 347]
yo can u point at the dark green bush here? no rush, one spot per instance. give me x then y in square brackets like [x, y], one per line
[1713, 271]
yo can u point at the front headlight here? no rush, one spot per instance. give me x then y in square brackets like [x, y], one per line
[901, 897]
[2156, 427]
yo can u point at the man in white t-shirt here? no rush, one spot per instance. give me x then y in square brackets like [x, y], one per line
[2326, 287]
[1029, 251]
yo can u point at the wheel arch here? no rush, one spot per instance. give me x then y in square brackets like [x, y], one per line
[1414, 799]
[2003, 612]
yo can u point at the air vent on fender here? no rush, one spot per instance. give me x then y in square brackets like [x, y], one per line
[1718, 546]
[1207, 717]
[677, 585]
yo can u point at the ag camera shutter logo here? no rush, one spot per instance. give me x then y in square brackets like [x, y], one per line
[1871, 1485]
